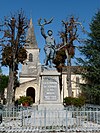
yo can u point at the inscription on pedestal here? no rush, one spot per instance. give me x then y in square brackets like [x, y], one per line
[50, 89]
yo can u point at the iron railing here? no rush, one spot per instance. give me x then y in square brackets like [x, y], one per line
[31, 119]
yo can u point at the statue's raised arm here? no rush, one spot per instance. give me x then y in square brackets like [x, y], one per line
[50, 43]
[42, 25]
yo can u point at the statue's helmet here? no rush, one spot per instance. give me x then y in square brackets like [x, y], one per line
[50, 32]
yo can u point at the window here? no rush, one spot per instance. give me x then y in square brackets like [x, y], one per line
[30, 57]
[72, 94]
[77, 82]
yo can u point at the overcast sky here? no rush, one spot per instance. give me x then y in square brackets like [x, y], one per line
[59, 9]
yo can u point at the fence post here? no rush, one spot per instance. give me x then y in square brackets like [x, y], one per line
[45, 119]
[66, 120]
[22, 116]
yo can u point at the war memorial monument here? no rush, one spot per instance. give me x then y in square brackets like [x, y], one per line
[50, 88]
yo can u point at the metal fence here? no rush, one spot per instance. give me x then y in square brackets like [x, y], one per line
[30, 119]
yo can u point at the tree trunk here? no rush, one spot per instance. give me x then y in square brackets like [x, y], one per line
[10, 90]
[69, 85]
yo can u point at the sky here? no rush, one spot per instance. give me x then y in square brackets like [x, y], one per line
[58, 9]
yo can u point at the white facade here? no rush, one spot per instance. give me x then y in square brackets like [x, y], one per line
[75, 80]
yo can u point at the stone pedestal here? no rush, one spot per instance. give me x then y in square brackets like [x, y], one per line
[50, 97]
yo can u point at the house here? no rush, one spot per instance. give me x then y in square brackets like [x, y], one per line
[76, 80]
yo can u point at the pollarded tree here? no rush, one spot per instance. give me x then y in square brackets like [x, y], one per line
[69, 35]
[91, 62]
[13, 52]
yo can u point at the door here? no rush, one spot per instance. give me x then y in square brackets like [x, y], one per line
[31, 92]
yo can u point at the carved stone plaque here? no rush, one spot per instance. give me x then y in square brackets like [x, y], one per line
[50, 89]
